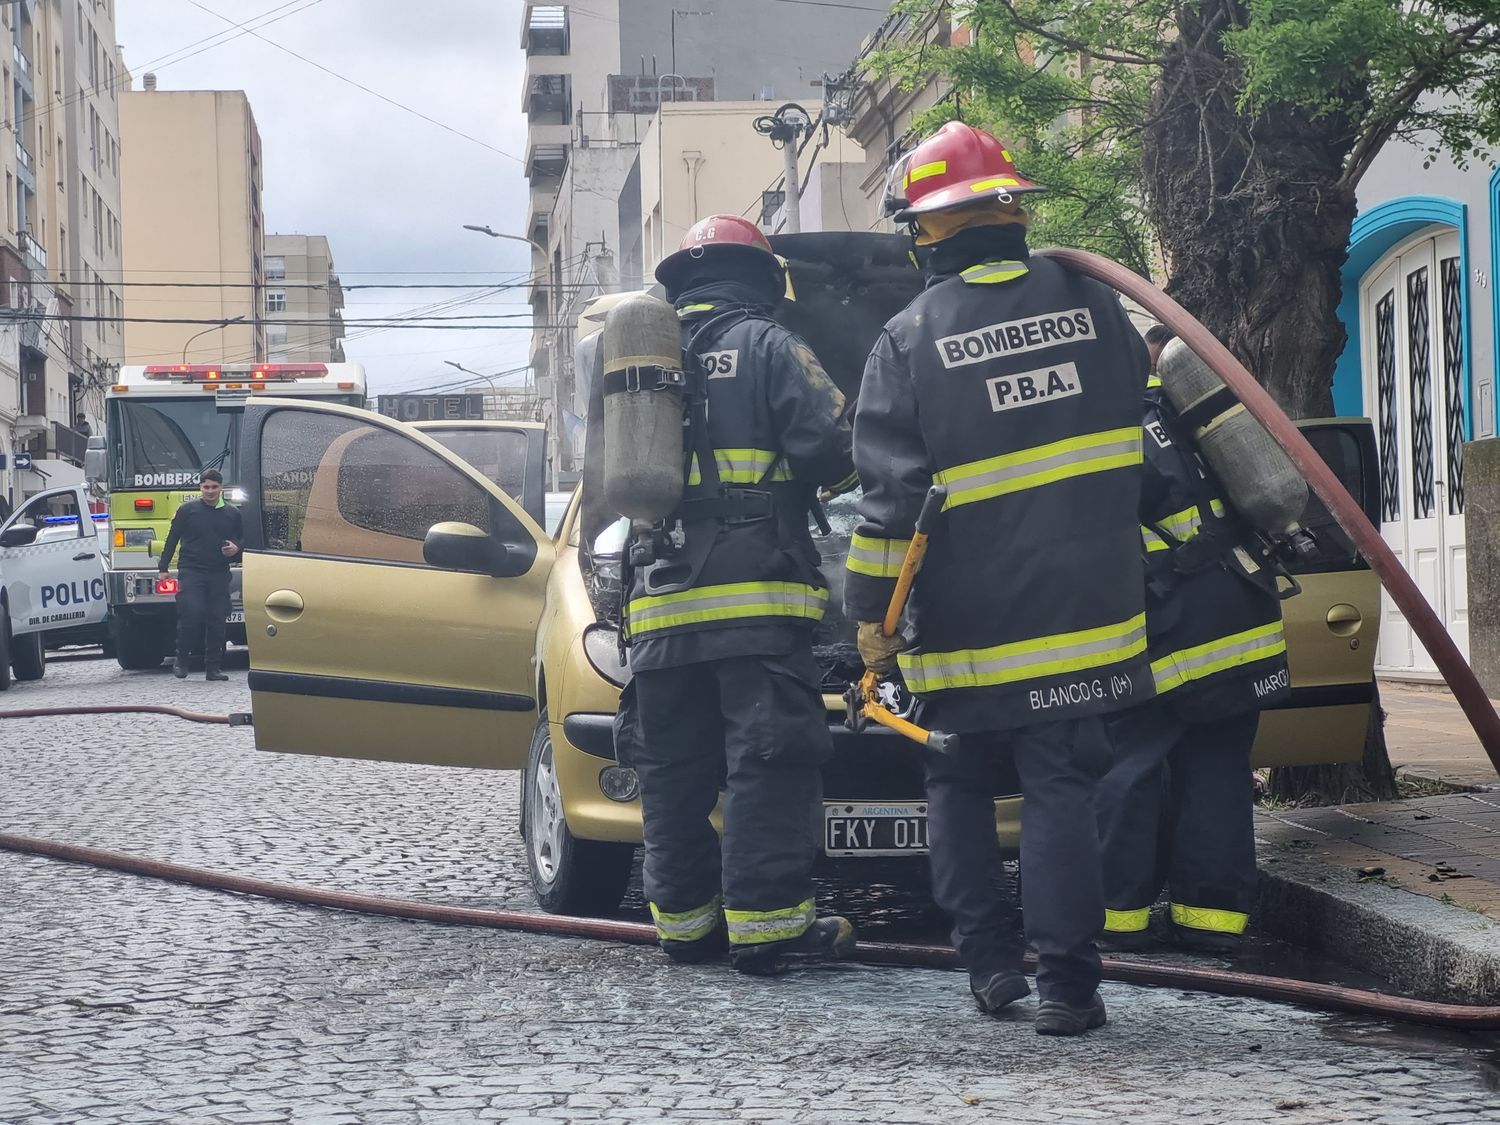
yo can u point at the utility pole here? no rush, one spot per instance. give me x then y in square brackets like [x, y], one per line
[783, 128]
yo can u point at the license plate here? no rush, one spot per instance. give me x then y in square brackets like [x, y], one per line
[874, 829]
[236, 617]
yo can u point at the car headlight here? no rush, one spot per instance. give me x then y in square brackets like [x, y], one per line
[601, 644]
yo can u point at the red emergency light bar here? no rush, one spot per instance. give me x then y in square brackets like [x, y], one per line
[240, 373]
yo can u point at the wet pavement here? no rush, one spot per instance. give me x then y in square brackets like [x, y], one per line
[131, 1000]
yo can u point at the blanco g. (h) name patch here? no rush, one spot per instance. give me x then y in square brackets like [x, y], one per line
[1013, 337]
[1027, 388]
[721, 365]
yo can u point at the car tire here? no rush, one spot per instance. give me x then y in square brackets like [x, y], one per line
[4, 646]
[28, 656]
[568, 875]
[138, 645]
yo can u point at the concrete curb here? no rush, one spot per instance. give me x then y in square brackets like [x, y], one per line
[1417, 943]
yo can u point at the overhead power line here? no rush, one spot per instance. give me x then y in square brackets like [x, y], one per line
[360, 86]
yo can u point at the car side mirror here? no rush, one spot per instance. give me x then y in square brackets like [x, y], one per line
[19, 535]
[462, 546]
[94, 466]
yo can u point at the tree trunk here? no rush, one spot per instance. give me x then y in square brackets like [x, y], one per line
[1255, 223]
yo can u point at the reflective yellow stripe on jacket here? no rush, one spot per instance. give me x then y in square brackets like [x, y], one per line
[993, 273]
[879, 558]
[1181, 526]
[1201, 661]
[755, 927]
[1040, 465]
[742, 466]
[731, 602]
[1025, 660]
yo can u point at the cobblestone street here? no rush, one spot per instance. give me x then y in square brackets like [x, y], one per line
[128, 1000]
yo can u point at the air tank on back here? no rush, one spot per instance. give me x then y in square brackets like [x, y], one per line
[1262, 483]
[643, 409]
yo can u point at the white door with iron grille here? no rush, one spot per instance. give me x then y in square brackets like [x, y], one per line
[1411, 331]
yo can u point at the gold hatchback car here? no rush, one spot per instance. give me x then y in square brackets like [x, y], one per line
[403, 602]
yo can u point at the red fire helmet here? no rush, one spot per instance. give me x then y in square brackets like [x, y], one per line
[722, 234]
[958, 164]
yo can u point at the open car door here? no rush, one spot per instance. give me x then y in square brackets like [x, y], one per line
[1332, 626]
[391, 592]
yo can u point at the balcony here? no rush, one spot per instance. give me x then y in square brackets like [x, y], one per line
[545, 161]
[31, 250]
[548, 100]
[25, 165]
[545, 30]
[22, 70]
[68, 443]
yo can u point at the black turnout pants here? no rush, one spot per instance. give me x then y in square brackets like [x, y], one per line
[757, 725]
[202, 611]
[1062, 893]
[1193, 830]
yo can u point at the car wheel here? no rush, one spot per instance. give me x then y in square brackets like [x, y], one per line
[28, 656]
[4, 646]
[568, 875]
[138, 644]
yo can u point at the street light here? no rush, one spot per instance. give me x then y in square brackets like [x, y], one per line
[494, 391]
[554, 297]
[211, 328]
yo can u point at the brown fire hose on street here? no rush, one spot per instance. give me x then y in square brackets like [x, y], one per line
[1223, 982]
[1343, 507]
[116, 709]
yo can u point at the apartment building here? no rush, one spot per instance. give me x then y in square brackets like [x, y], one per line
[596, 77]
[60, 254]
[194, 229]
[304, 300]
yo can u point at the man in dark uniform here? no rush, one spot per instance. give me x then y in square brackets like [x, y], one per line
[1218, 658]
[720, 632]
[1015, 386]
[210, 533]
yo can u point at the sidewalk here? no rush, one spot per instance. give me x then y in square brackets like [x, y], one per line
[1429, 737]
[1335, 878]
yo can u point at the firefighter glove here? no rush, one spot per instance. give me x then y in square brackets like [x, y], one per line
[876, 649]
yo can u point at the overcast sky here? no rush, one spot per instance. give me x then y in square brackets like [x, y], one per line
[388, 189]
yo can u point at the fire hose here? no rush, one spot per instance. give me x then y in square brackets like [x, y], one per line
[1343, 507]
[1223, 982]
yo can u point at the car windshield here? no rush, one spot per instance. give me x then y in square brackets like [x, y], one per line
[499, 454]
[167, 442]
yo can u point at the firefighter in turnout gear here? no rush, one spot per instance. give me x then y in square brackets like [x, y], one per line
[1016, 386]
[1218, 658]
[725, 686]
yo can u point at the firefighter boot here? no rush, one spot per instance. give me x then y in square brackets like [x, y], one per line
[710, 947]
[1058, 1017]
[827, 939]
[179, 669]
[211, 672]
[993, 991]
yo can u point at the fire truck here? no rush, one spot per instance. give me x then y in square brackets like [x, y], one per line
[164, 425]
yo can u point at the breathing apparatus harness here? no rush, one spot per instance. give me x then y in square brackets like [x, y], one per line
[672, 559]
[1217, 540]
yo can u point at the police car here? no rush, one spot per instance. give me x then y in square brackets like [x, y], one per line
[51, 577]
